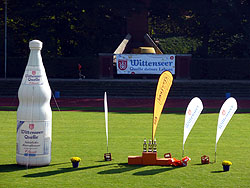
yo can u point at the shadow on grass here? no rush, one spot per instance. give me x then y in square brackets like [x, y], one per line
[210, 163]
[122, 167]
[16, 167]
[155, 171]
[60, 171]
[219, 171]
[103, 161]
[199, 164]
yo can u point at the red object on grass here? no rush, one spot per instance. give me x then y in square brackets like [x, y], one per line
[167, 155]
[150, 158]
[204, 159]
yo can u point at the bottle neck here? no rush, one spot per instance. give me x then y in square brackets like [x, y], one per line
[35, 57]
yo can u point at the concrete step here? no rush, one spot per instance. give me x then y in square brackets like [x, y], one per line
[136, 88]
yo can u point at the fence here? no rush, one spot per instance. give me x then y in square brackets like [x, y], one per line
[55, 67]
[218, 69]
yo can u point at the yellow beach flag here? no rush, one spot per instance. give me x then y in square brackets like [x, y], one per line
[163, 87]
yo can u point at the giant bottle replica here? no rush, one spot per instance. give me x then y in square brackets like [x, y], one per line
[34, 115]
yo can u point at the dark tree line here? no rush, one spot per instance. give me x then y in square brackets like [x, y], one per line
[221, 27]
[216, 28]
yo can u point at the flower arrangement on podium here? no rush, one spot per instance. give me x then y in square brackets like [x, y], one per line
[75, 161]
[226, 165]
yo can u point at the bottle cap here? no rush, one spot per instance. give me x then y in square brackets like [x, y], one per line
[36, 44]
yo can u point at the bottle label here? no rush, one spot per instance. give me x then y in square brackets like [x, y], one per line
[33, 77]
[33, 138]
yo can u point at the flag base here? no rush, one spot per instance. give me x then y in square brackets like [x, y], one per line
[204, 159]
[107, 157]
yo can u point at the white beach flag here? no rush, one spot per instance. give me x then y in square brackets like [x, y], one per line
[192, 113]
[226, 112]
[106, 116]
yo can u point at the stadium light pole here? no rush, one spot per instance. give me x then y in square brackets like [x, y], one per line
[5, 40]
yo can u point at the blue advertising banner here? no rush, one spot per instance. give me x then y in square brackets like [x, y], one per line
[145, 63]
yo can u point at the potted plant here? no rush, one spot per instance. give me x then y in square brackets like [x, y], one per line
[226, 165]
[75, 161]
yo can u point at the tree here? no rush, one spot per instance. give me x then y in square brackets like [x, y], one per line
[67, 28]
[218, 26]
[205, 28]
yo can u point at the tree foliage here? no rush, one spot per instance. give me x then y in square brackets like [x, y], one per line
[205, 28]
[221, 27]
[68, 28]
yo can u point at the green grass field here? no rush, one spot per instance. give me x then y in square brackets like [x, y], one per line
[82, 134]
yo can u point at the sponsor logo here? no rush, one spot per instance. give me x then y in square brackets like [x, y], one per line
[223, 112]
[162, 90]
[155, 120]
[31, 126]
[228, 115]
[122, 64]
[189, 112]
[193, 117]
[33, 77]
[145, 64]
[19, 124]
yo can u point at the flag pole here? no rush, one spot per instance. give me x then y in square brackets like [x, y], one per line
[215, 153]
[183, 151]
[5, 41]
[106, 116]
[183, 143]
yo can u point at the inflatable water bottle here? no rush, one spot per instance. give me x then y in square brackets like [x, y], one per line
[34, 115]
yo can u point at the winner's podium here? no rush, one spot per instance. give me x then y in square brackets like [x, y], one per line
[149, 158]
